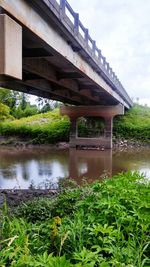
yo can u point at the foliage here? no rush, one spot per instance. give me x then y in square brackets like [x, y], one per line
[29, 110]
[9, 97]
[90, 126]
[18, 103]
[134, 124]
[42, 128]
[46, 105]
[99, 225]
[24, 101]
[4, 112]
[50, 127]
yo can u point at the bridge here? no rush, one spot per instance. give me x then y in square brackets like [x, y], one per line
[45, 50]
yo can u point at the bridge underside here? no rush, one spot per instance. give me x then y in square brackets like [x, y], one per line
[40, 71]
[36, 59]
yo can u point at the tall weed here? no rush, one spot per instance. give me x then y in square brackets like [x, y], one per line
[103, 224]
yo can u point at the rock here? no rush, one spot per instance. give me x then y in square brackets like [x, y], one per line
[15, 197]
[63, 145]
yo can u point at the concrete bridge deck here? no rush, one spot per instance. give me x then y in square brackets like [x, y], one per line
[45, 50]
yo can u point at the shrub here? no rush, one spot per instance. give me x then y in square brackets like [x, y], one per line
[103, 224]
[40, 129]
[134, 124]
[4, 112]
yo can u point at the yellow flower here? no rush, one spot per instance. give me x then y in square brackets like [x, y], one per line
[57, 220]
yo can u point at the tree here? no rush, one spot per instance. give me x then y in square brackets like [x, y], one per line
[4, 112]
[18, 103]
[23, 100]
[9, 97]
[46, 105]
[46, 108]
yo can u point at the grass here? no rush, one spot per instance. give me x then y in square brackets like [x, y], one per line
[99, 225]
[51, 127]
[135, 124]
[44, 128]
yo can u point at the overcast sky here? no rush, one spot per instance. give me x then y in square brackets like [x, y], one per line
[121, 29]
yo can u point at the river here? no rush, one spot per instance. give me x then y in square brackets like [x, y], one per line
[42, 167]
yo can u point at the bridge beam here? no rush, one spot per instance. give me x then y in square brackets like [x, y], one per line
[42, 23]
[10, 48]
[44, 69]
[107, 112]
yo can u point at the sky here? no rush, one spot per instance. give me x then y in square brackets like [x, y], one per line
[121, 29]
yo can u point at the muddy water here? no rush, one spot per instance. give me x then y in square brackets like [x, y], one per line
[40, 167]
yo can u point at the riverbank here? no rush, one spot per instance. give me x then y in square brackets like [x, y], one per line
[103, 224]
[132, 129]
[123, 144]
[47, 128]
[14, 197]
[119, 143]
[134, 125]
[22, 143]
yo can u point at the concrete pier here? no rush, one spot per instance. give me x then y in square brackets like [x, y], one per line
[107, 112]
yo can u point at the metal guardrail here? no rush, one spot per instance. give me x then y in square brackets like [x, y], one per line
[71, 21]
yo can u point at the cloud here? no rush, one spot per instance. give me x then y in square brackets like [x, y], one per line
[121, 29]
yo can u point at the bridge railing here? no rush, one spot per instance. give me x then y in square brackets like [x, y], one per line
[71, 19]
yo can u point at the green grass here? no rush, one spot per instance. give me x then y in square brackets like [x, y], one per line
[44, 128]
[104, 224]
[134, 124]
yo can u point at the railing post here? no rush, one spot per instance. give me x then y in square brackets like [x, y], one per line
[62, 8]
[86, 37]
[104, 61]
[76, 23]
[113, 75]
[107, 66]
[110, 72]
[99, 55]
[93, 47]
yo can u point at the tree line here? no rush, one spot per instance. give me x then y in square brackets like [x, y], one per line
[14, 104]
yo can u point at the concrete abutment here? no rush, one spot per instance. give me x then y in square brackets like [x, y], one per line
[107, 112]
[10, 48]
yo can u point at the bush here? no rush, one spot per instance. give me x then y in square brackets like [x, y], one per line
[103, 224]
[29, 110]
[4, 112]
[40, 129]
[134, 124]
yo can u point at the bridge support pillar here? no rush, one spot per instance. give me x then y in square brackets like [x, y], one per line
[73, 132]
[108, 130]
[107, 112]
[10, 48]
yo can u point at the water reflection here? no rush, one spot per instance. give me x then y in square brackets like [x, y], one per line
[90, 164]
[132, 160]
[37, 166]
[22, 168]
